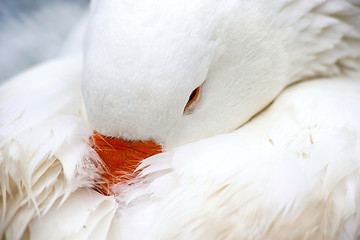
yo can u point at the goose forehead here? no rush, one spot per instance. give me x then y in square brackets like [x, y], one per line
[151, 41]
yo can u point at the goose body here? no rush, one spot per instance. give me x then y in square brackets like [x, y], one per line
[291, 172]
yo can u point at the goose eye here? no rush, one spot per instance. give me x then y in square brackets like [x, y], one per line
[193, 96]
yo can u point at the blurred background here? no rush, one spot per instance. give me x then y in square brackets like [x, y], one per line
[32, 31]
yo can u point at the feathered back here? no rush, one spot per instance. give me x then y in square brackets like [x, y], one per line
[329, 35]
[44, 149]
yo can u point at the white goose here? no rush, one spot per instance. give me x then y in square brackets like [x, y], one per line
[291, 172]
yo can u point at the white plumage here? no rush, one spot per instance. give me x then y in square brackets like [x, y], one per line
[291, 172]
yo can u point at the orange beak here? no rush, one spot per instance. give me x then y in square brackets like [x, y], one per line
[120, 159]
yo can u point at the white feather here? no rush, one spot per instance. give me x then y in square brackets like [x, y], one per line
[290, 173]
[43, 142]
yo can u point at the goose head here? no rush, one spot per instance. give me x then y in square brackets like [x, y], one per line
[173, 72]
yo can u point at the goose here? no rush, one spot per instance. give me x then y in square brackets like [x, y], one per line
[227, 120]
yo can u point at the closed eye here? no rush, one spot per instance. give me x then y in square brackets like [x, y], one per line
[193, 96]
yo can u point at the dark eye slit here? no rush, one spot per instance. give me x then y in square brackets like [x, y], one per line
[193, 97]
